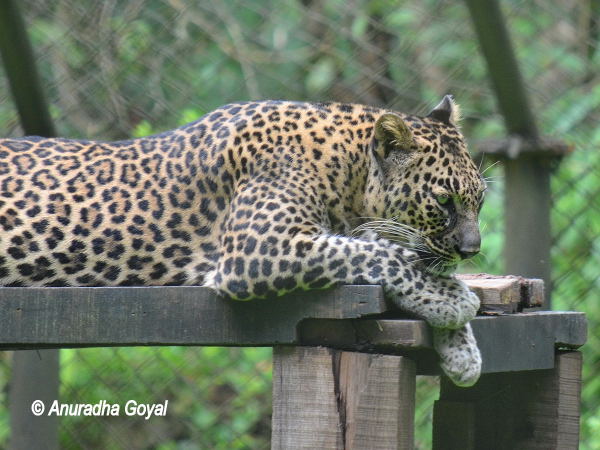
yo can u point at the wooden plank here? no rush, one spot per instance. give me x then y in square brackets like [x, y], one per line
[63, 317]
[527, 341]
[56, 317]
[496, 294]
[531, 410]
[533, 293]
[508, 343]
[505, 294]
[305, 407]
[37, 317]
[367, 334]
[377, 395]
[568, 382]
[529, 231]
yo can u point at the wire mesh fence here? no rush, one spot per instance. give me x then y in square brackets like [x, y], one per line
[117, 69]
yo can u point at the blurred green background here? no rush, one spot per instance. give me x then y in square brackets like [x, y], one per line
[118, 69]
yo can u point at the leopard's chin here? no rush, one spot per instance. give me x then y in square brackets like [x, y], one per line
[444, 271]
[436, 264]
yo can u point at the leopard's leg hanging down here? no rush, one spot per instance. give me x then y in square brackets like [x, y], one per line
[283, 246]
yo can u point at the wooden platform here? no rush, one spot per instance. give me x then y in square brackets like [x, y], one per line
[90, 317]
[344, 364]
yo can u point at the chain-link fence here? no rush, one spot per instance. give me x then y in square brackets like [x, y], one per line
[116, 69]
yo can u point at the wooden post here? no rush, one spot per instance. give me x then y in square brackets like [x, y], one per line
[330, 399]
[34, 377]
[527, 201]
[527, 176]
[19, 64]
[534, 410]
[527, 210]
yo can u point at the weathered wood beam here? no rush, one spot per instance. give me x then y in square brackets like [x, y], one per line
[19, 64]
[85, 317]
[66, 317]
[505, 294]
[330, 399]
[193, 315]
[33, 377]
[503, 68]
[526, 410]
[513, 342]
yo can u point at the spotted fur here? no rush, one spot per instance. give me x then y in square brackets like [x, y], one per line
[254, 200]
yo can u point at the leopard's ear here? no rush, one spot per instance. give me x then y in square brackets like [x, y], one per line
[391, 133]
[446, 111]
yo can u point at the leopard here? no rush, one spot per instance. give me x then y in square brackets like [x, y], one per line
[254, 200]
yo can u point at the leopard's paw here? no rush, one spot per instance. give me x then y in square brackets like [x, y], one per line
[440, 306]
[452, 309]
[460, 358]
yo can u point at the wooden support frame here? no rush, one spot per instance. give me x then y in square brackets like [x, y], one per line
[528, 160]
[356, 393]
[353, 318]
[24, 390]
[34, 376]
[515, 342]
[19, 64]
[331, 399]
[525, 410]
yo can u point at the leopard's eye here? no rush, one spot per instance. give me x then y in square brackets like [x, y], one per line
[443, 199]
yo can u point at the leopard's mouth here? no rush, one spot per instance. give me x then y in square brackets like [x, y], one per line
[437, 264]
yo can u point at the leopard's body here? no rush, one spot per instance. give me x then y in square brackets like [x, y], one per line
[256, 199]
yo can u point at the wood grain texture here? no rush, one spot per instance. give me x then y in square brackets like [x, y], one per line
[554, 412]
[34, 376]
[377, 394]
[331, 399]
[455, 425]
[513, 342]
[505, 294]
[79, 317]
[63, 317]
[305, 407]
[533, 410]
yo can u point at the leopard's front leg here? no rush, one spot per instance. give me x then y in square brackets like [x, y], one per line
[280, 244]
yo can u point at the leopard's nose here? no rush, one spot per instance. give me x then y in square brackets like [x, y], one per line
[469, 246]
[469, 240]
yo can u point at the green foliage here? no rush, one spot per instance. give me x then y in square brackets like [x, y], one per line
[223, 395]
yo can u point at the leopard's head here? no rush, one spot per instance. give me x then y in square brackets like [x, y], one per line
[424, 188]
